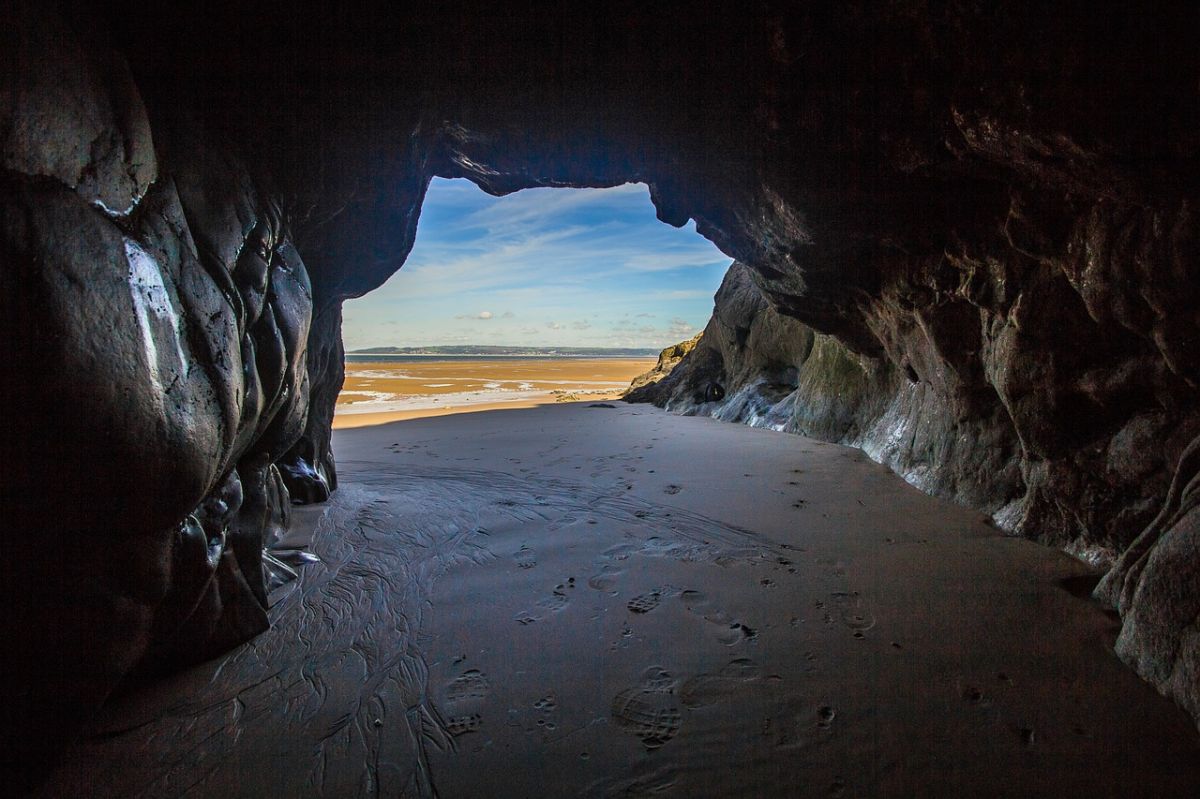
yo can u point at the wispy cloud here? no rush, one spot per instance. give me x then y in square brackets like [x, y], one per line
[680, 328]
[580, 259]
[681, 294]
[664, 262]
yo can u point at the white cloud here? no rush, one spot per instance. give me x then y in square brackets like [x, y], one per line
[681, 329]
[534, 207]
[679, 294]
[699, 255]
[549, 254]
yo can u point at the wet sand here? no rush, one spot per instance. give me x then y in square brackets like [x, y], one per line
[392, 391]
[581, 601]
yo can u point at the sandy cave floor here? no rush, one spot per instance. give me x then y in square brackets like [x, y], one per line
[587, 601]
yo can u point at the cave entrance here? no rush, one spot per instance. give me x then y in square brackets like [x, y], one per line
[543, 295]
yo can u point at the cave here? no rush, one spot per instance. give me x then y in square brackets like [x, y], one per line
[964, 243]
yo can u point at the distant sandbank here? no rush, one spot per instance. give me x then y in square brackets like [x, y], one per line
[382, 391]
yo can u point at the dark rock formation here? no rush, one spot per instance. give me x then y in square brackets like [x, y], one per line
[969, 240]
[668, 359]
[154, 316]
[779, 373]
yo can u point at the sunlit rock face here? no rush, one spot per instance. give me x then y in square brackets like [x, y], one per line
[967, 241]
[668, 359]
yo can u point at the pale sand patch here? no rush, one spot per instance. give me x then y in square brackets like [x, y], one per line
[380, 392]
[347, 421]
[572, 601]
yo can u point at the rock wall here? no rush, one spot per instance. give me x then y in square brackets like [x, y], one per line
[668, 359]
[154, 317]
[968, 240]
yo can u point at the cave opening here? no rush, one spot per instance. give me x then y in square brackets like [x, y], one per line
[543, 295]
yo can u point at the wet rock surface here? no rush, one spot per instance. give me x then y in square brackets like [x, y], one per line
[968, 241]
[155, 320]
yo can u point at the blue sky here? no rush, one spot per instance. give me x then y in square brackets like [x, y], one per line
[542, 267]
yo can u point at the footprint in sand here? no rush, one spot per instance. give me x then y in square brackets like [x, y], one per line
[708, 689]
[553, 603]
[606, 579]
[556, 601]
[649, 711]
[524, 558]
[461, 725]
[659, 679]
[672, 489]
[729, 631]
[547, 708]
[464, 698]
[736, 634]
[644, 603]
[471, 684]
[852, 611]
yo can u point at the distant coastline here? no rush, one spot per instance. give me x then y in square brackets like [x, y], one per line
[383, 387]
[490, 351]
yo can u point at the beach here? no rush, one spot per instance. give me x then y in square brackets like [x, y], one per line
[572, 600]
[378, 391]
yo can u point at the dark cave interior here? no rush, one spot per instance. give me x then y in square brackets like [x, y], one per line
[965, 239]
